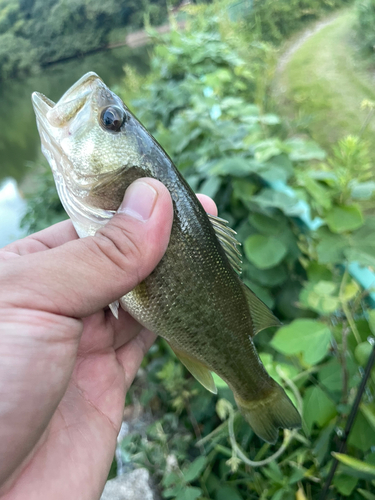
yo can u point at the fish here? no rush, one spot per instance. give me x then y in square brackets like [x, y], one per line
[194, 298]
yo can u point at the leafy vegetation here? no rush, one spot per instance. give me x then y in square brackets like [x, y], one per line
[275, 20]
[302, 216]
[36, 32]
[365, 25]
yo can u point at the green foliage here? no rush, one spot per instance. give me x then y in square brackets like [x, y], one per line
[300, 219]
[44, 207]
[365, 25]
[36, 32]
[275, 20]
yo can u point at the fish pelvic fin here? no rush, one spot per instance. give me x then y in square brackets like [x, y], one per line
[262, 317]
[267, 415]
[114, 306]
[197, 369]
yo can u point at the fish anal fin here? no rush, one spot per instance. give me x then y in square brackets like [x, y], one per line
[227, 238]
[197, 369]
[261, 315]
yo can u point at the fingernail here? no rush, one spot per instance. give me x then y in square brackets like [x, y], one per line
[139, 201]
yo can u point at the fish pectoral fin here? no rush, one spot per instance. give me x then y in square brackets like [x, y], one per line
[197, 369]
[261, 315]
[227, 238]
[114, 308]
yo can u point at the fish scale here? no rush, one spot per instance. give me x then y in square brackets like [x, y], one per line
[194, 298]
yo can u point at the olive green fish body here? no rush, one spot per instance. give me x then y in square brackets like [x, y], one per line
[194, 298]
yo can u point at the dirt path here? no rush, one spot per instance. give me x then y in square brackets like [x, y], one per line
[322, 80]
[301, 38]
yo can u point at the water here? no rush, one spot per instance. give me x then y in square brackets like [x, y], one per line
[12, 208]
[19, 139]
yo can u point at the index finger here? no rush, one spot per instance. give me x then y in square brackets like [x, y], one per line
[51, 237]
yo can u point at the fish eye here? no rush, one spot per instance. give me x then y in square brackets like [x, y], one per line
[112, 117]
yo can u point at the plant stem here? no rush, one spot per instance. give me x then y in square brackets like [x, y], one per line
[346, 309]
[345, 374]
[350, 422]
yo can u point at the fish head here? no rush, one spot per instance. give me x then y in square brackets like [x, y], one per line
[95, 147]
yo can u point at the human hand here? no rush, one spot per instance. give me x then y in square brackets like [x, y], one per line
[65, 361]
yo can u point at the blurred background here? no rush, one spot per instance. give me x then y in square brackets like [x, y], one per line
[267, 106]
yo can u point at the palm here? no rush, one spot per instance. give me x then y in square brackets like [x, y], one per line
[80, 439]
[63, 379]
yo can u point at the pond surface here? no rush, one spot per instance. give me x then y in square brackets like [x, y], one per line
[19, 138]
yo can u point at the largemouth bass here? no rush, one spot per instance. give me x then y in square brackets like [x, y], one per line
[194, 298]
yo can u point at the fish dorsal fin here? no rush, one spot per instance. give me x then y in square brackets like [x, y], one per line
[262, 317]
[227, 238]
[197, 369]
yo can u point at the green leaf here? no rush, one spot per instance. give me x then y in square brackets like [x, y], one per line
[303, 336]
[194, 469]
[301, 150]
[345, 484]
[371, 320]
[236, 166]
[330, 374]
[297, 475]
[362, 190]
[317, 407]
[264, 251]
[331, 247]
[319, 297]
[274, 472]
[362, 353]
[319, 193]
[318, 272]
[173, 492]
[290, 205]
[243, 190]
[270, 119]
[219, 382]
[189, 493]
[355, 464]
[362, 435]
[268, 277]
[228, 493]
[344, 218]
[350, 291]
[366, 494]
[264, 150]
[266, 224]
[210, 187]
[368, 411]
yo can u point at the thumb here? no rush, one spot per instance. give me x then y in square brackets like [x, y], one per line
[82, 276]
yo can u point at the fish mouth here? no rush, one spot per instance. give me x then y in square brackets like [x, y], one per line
[51, 114]
[53, 121]
[41, 105]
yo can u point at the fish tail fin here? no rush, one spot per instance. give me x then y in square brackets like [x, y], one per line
[268, 414]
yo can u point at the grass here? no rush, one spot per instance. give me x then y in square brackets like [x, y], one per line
[324, 83]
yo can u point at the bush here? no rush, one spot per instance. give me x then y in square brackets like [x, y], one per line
[366, 25]
[275, 20]
[37, 32]
[301, 219]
